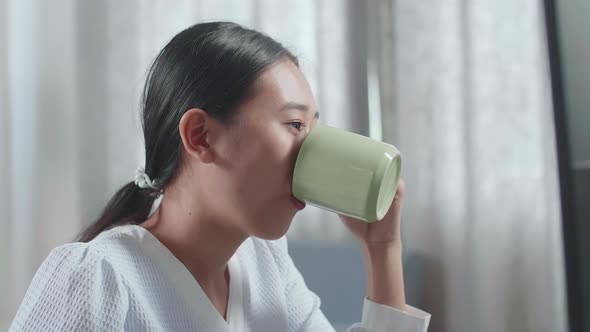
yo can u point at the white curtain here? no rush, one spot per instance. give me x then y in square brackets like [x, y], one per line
[467, 100]
[460, 87]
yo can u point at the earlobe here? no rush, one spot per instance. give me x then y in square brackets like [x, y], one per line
[193, 131]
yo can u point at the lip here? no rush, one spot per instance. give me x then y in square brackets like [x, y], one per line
[299, 205]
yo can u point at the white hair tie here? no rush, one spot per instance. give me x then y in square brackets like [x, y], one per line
[156, 205]
[143, 180]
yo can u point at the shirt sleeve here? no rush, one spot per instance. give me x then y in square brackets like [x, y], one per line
[380, 318]
[74, 289]
[305, 315]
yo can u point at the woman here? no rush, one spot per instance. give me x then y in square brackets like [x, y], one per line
[196, 242]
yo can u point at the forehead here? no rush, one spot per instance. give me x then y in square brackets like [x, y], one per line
[281, 83]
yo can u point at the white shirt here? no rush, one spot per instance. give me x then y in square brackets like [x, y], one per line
[125, 279]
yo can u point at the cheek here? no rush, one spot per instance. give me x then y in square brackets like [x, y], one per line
[265, 159]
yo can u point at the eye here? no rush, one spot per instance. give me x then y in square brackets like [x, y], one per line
[296, 124]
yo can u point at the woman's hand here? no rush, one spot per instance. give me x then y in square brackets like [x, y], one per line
[382, 249]
[387, 230]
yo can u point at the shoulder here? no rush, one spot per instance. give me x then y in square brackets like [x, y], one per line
[74, 259]
[86, 270]
[73, 289]
[80, 267]
[94, 259]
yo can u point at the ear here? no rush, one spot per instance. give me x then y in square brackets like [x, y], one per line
[194, 127]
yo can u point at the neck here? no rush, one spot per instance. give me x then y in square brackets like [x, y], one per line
[202, 242]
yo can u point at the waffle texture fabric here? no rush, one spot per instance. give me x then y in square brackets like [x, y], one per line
[127, 280]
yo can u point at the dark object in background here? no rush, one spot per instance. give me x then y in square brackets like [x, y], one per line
[335, 271]
[568, 30]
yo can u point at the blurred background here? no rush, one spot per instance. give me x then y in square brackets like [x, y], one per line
[462, 88]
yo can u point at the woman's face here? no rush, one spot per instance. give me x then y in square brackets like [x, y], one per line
[260, 150]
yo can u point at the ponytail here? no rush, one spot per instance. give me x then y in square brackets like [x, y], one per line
[130, 205]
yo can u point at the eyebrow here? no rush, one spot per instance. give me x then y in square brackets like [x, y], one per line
[296, 106]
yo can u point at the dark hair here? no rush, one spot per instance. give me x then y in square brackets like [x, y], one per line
[210, 66]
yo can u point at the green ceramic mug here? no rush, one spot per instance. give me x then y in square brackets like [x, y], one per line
[346, 173]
